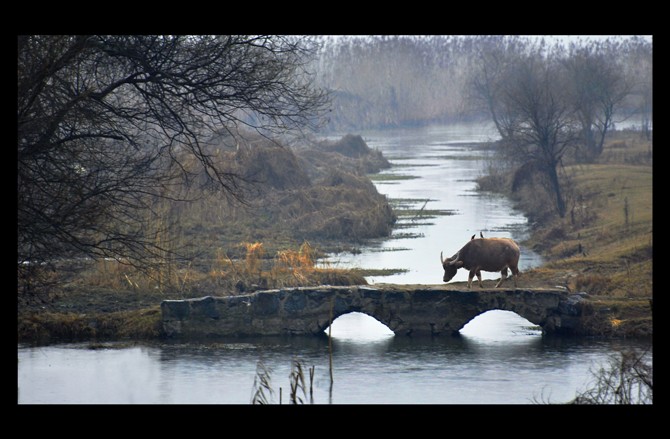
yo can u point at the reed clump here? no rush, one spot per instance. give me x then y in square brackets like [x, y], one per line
[263, 392]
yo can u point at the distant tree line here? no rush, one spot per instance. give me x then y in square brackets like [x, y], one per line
[389, 81]
[395, 80]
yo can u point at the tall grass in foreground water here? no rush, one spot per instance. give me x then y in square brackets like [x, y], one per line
[263, 393]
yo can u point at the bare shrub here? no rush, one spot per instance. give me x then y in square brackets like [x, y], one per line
[592, 283]
[628, 379]
[492, 182]
[108, 124]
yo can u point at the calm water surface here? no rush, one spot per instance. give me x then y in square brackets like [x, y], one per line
[499, 358]
[439, 166]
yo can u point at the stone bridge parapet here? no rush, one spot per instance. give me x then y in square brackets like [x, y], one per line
[415, 310]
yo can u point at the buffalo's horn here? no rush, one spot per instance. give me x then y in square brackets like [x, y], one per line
[452, 262]
[441, 259]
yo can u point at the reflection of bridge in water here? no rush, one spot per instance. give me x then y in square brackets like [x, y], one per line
[405, 309]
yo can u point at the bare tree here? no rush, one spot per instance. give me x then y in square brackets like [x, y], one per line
[543, 127]
[107, 125]
[629, 379]
[597, 88]
[491, 70]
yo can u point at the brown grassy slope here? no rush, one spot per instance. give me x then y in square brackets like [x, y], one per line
[318, 193]
[311, 192]
[604, 245]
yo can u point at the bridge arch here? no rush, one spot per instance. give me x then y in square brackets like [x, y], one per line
[497, 323]
[356, 326]
[404, 309]
[365, 301]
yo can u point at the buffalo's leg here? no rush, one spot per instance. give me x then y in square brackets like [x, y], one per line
[472, 275]
[503, 276]
[515, 274]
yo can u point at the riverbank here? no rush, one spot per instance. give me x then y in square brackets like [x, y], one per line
[604, 244]
[611, 227]
[300, 202]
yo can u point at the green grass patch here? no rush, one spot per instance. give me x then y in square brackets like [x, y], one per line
[406, 203]
[412, 224]
[390, 249]
[424, 213]
[415, 165]
[388, 178]
[406, 209]
[407, 235]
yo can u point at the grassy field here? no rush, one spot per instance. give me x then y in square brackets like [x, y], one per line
[604, 245]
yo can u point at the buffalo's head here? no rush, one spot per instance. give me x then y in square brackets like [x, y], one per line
[451, 266]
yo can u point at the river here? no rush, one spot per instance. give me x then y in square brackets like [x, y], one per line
[435, 169]
[499, 358]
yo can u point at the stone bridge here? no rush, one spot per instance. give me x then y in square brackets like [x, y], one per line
[416, 310]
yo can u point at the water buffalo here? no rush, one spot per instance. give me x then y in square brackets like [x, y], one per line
[488, 254]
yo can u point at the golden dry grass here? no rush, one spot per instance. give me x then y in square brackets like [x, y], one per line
[604, 245]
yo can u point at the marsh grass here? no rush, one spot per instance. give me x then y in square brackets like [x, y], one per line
[297, 383]
[69, 326]
[391, 178]
[251, 270]
[592, 283]
[415, 208]
[109, 299]
[263, 392]
[292, 194]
